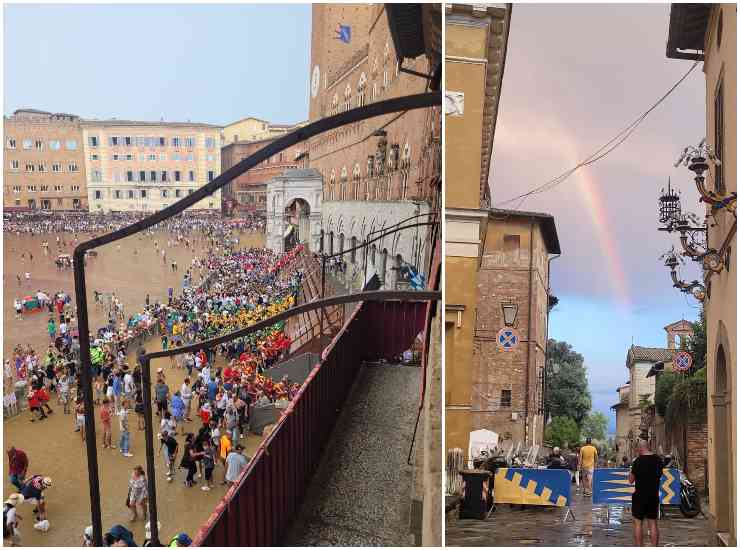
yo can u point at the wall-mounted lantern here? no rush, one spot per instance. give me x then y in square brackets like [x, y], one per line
[509, 310]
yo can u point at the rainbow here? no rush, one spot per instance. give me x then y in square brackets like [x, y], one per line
[594, 202]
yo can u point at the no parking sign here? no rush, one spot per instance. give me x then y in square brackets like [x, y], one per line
[507, 339]
[682, 361]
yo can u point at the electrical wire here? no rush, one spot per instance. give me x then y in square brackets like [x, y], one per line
[602, 151]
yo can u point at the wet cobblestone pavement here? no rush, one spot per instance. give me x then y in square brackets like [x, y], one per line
[543, 526]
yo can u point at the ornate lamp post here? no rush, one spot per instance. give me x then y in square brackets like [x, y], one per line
[695, 288]
[693, 234]
[695, 158]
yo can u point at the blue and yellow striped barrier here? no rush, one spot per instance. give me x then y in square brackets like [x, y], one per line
[532, 486]
[612, 486]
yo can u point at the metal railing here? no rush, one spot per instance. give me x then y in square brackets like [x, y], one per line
[405, 103]
[261, 505]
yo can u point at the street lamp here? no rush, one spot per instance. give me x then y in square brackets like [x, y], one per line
[669, 206]
[695, 159]
[693, 233]
[510, 310]
[695, 288]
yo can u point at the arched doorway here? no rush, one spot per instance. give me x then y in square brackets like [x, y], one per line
[722, 453]
[298, 225]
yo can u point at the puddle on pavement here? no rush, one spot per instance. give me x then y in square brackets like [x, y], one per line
[579, 539]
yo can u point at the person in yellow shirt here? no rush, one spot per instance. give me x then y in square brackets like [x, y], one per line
[587, 460]
[224, 449]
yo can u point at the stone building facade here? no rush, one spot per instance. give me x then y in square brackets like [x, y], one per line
[248, 192]
[640, 417]
[294, 210]
[146, 166]
[43, 164]
[374, 171]
[621, 409]
[509, 359]
[255, 129]
[708, 33]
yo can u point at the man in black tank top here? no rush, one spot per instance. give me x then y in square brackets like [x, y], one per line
[645, 473]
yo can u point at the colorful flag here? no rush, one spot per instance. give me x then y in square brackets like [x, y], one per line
[344, 33]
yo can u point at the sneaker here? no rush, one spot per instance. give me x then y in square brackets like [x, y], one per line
[169, 478]
[205, 488]
[113, 447]
[127, 454]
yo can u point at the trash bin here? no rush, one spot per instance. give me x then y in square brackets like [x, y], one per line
[476, 493]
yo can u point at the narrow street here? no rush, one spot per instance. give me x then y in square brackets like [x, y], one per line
[543, 526]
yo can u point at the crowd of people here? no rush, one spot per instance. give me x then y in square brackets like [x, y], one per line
[200, 222]
[222, 385]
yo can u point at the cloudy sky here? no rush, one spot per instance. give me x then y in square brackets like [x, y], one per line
[576, 75]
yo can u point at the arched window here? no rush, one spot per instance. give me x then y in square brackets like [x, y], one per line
[321, 242]
[331, 243]
[383, 263]
[370, 166]
[362, 84]
[341, 243]
[335, 104]
[356, 175]
[332, 184]
[373, 250]
[348, 98]
[406, 156]
[343, 182]
[405, 170]
[353, 244]
[386, 56]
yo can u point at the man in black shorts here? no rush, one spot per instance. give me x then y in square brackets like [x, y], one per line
[645, 473]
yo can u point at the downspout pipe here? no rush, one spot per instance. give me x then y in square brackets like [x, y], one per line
[547, 339]
[529, 330]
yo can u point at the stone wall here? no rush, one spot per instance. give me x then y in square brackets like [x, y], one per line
[358, 219]
[696, 455]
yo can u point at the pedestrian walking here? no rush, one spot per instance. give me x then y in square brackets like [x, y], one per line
[235, 463]
[209, 463]
[137, 493]
[80, 417]
[171, 447]
[645, 473]
[17, 467]
[105, 419]
[125, 439]
[190, 458]
[587, 460]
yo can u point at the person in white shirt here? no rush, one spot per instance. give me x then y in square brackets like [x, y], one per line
[205, 374]
[128, 390]
[187, 396]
